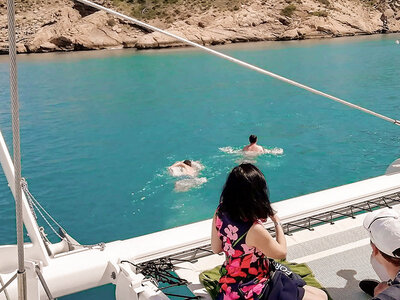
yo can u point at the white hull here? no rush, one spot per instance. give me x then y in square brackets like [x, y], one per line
[78, 270]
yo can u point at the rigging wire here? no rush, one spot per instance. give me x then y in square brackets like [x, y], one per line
[240, 62]
[33, 203]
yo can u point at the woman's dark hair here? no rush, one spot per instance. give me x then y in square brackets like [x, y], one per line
[245, 195]
[187, 162]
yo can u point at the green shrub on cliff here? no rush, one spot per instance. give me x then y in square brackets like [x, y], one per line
[288, 10]
[319, 13]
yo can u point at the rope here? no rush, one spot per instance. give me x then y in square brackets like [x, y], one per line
[28, 195]
[32, 200]
[241, 63]
[160, 271]
[35, 204]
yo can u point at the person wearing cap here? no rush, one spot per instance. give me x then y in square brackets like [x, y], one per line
[383, 227]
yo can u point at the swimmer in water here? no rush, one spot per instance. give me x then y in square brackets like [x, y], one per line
[253, 147]
[189, 169]
[185, 169]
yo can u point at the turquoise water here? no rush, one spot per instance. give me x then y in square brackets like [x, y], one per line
[98, 129]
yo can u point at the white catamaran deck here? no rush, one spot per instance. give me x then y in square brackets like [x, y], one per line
[338, 254]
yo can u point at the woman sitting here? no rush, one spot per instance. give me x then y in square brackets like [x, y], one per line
[238, 231]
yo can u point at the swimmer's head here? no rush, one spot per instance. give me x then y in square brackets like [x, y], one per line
[252, 139]
[187, 162]
[245, 196]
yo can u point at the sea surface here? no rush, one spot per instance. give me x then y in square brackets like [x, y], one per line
[99, 129]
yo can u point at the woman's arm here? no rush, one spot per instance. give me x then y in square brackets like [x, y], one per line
[260, 238]
[279, 234]
[216, 243]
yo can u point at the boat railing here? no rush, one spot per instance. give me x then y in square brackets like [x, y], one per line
[296, 217]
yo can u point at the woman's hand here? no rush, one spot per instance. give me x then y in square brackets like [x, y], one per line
[275, 219]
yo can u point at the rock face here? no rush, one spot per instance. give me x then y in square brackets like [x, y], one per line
[62, 25]
[73, 32]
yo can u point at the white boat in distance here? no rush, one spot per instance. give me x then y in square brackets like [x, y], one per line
[56, 270]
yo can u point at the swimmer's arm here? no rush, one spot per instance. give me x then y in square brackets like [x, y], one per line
[261, 149]
[178, 164]
[173, 165]
[260, 238]
[216, 243]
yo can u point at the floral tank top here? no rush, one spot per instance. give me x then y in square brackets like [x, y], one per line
[245, 271]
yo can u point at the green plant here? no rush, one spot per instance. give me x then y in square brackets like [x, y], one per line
[319, 13]
[288, 10]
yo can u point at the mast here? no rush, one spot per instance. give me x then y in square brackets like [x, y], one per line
[21, 274]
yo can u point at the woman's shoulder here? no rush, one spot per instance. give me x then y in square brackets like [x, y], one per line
[258, 228]
[257, 225]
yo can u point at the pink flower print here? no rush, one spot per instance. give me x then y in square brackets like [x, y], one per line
[218, 223]
[234, 269]
[228, 248]
[248, 291]
[237, 253]
[229, 295]
[253, 271]
[231, 232]
[248, 250]
[259, 253]
[258, 288]
[224, 287]
[234, 266]
[253, 258]
[247, 288]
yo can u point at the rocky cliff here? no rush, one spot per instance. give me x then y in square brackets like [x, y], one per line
[65, 25]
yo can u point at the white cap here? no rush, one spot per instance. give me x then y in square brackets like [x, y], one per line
[383, 226]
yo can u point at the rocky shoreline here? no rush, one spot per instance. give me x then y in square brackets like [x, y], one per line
[64, 25]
